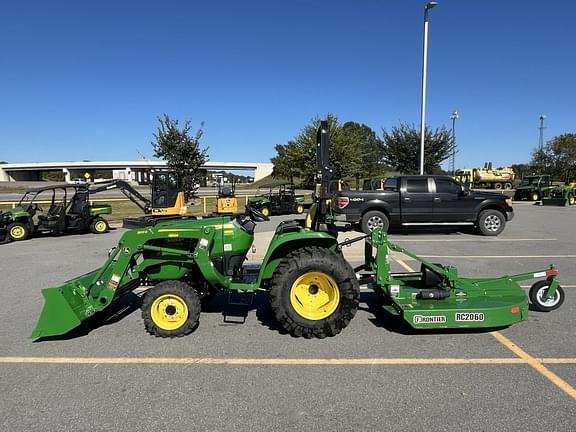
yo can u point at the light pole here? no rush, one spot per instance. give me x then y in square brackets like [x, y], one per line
[428, 6]
[454, 116]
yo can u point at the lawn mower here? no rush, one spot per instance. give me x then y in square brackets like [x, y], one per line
[313, 290]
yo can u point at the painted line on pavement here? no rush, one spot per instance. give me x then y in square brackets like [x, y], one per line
[499, 256]
[536, 364]
[470, 240]
[282, 361]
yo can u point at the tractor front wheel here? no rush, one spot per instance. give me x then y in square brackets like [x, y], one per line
[171, 309]
[314, 293]
[18, 231]
[538, 295]
[99, 226]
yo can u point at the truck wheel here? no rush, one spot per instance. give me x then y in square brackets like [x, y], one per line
[99, 226]
[314, 293]
[171, 309]
[538, 293]
[18, 231]
[497, 185]
[265, 211]
[491, 222]
[534, 196]
[508, 185]
[374, 219]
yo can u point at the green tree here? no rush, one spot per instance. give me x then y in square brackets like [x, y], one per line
[181, 151]
[362, 151]
[402, 148]
[297, 158]
[557, 158]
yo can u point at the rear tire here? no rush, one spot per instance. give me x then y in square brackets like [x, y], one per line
[99, 226]
[571, 199]
[498, 186]
[538, 293]
[171, 309]
[299, 209]
[508, 186]
[18, 231]
[314, 293]
[265, 211]
[491, 222]
[374, 219]
[535, 196]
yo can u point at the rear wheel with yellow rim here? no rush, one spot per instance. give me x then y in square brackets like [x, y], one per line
[171, 309]
[299, 208]
[314, 293]
[265, 211]
[99, 226]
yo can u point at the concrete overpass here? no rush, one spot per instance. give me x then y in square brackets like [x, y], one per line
[137, 170]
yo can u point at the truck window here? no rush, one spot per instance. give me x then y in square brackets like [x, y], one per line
[391, 184]
[417, 185]
[447, 186]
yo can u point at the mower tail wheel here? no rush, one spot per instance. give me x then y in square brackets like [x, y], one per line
[538, 295]
[314, 293]
[171, 309]
[18, 231]
[99, 226]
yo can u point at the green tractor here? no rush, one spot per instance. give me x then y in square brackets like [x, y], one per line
[532, 187]
[564, 195]
[313, 291]
[278, 199]
[67, 210]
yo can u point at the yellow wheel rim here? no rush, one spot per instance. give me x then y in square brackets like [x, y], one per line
[314, 296]
[265, 211]
[571, 200]
[534, 196]
[169, 312]
[100, 226]
[300, 209]
[17, 232]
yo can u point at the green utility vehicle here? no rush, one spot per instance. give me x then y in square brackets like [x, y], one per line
[531, 187]
[57, 209]
[313, 290]
[564, 195]
[279, 199]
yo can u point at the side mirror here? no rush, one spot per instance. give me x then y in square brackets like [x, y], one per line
[465, 191]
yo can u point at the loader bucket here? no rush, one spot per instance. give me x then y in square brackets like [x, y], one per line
[65, 307]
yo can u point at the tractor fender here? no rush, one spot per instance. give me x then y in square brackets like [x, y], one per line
[283, 244]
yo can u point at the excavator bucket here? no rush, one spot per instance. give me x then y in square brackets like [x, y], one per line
[65, 307]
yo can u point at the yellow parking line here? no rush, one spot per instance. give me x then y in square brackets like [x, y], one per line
[281, 361]
[403, 264]
[536, 364]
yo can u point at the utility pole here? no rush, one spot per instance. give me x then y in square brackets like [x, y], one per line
[454, 116]
[541, 143]
[428, 6]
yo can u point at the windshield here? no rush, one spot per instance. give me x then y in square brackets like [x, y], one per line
[528, 181]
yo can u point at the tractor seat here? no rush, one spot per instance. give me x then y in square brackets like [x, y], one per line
[53, 213]
[288, 227]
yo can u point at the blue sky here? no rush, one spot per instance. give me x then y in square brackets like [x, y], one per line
[87, 80]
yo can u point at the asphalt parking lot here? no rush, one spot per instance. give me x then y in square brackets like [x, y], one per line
[251, 377]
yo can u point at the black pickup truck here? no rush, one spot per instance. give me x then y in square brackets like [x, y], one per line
[423, 201]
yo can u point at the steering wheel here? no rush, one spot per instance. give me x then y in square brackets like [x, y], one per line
[256, 215]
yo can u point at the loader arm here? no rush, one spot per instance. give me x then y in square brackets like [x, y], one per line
[128, 191]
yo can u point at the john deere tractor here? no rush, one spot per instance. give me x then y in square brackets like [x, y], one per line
[313, 290]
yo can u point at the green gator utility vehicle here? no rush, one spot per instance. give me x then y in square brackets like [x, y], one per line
[532, 187]
[564, 195]
[313, 290]
[279, 199]
[67, 210]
